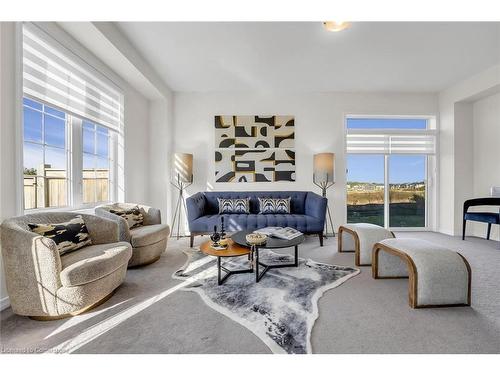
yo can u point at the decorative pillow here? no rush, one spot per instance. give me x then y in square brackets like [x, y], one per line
[133, 216]
[234, 205]
[69, 236]
[274, 205]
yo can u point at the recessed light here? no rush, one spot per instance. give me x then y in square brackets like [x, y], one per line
[336, 26]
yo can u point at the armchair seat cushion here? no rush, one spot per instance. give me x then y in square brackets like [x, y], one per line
[148, 234]
[484, 217]
[93, 262]
[236, 222]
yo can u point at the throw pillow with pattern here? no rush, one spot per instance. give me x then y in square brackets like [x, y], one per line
[274, 205]
[234, 205]
[133, 216]
[68, 236]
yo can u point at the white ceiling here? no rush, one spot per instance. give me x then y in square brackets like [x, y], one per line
[302, 56]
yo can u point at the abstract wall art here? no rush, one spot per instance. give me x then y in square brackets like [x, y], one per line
[254, 148]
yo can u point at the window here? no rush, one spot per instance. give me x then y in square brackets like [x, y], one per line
[45, 156]
[52, 158]
[72, 125]
[96, 163]
[388, 170]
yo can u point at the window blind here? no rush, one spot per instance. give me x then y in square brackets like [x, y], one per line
[416, 142]
[55, 75]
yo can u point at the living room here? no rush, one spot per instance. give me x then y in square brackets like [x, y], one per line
[282, 185]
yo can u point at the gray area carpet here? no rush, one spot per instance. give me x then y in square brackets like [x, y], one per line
[280, 309]
[148, 313]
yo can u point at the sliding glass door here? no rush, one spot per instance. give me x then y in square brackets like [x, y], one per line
[388, 170]
[365, 189]
[407, 186]
[402, 176]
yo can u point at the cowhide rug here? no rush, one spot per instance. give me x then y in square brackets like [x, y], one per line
[281, 309]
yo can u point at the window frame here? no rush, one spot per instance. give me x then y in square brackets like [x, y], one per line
[431, 166]
[74, 157]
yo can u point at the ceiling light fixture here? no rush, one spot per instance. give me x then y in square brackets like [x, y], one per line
[336, 26]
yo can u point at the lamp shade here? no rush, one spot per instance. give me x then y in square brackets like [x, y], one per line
[182, 167]
[324, 167]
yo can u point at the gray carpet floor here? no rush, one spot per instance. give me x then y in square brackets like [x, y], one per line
[148, 314]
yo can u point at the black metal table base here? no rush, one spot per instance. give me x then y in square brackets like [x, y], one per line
[221, 279]
[267, 267]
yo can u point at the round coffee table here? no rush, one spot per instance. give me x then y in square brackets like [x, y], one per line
[271, 243]
[233, 250]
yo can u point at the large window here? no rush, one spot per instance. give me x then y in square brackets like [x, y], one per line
[58, 148]
[388, 171]
[72, 125]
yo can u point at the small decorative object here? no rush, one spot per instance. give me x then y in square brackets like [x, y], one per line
[256, 239]
[215, 237]
[217, 242]
[222, 232]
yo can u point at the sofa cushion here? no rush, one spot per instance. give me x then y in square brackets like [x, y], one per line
[236, 222]
[234, 205]
[148, 234]
[274, 205]
[68, 236]
[93, 262]
[132, 216]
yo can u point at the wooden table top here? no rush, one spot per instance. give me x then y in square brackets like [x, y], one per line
[233, 249]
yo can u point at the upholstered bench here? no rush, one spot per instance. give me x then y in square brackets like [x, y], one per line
[438, 277]
[360, 238]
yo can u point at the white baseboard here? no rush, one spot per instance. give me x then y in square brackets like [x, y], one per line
[4, 303]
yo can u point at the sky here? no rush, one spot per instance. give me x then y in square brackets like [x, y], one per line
[50, 125]
[370, 168]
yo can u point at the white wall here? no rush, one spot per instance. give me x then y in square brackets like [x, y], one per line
[319, 127]
[486, 162]
[456, 145]
[160, 151]
[7, 133]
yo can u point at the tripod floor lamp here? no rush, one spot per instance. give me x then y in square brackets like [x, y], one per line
[182, 177]
[323, 177]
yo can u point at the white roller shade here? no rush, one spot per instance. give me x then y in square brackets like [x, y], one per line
[367, 142]
[55, 75]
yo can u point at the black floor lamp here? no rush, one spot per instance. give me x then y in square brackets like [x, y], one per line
[182, 177]
[323, 177]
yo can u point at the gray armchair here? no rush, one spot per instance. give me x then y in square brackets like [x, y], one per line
[148, 241]
[45, 285]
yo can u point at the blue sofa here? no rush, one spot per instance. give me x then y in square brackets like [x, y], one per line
[307, 212]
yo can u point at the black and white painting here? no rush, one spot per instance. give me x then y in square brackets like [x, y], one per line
[254, 148]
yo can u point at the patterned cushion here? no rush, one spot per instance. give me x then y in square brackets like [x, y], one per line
[133, 216]
[234, 205]
[68, 236]
[274, 205]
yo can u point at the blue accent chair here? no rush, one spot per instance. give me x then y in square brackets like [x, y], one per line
[307, 212]
[483, 217]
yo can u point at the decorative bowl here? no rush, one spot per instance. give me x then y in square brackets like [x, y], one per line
[224, 241]
[256, 238]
